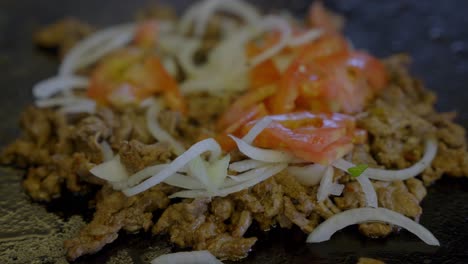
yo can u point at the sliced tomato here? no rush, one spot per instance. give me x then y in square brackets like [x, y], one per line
[169, 86]
[243, 104]
[254, 112]
[131, 75]
[263, 74]
[314, 137]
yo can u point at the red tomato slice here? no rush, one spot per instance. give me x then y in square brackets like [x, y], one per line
[131, 75]
[244, 103]
[263, 74]
[255, 112]
[314, 137]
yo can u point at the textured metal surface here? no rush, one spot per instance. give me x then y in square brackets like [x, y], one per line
[433, 32]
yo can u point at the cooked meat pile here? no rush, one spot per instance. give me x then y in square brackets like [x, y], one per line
[57, 152]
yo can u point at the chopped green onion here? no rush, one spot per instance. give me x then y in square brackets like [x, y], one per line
[357, 170]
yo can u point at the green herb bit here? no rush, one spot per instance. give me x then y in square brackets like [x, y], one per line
[357, 170]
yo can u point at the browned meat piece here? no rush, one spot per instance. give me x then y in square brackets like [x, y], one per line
[270, 194]
[115, 211]
[375, 230]
[44, 132]
[181, 221]
[396, 197]
[402, 117]
[369, 261]
[136, 156]
[87, 135]
[352, 197]
[62, 35]
[296, 191]
[300, 219]
[221, 208]
[248, 201]
[416, 187]
[23, 153]
[42, 184]
[242, 223]
[226, 247]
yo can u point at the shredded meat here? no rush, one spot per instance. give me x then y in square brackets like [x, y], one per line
[115, 211]
[401, 118]
[136, 156]
[62, 35]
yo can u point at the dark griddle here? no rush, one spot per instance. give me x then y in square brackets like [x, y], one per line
[434, 32]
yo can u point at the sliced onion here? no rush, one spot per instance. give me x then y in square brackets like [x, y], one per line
[247, 176]
[305, 38]
[269, 23]
[157, 132]
[82, 106]
[369, 191]
[51, 86]
[198, 169]
[270, 171]
[107, 152]
[95, 46]
[396, 175]
[217, 171]
[192, 257]
[266, 155]
[170, 66]
[186, 57]
[361, 215]
[203, 11]
[336, 189]
[245, 165]
[207, 145]
[309, 175]
[112, 170]
[183, 181]
[325, 184]
[257, 129]
[144, 174]
[62, 101]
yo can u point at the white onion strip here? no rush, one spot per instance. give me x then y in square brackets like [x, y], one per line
[273, 22]
[51, 86]
[336, 189]
[84, 106]
[395, 175]
[305, 38]
[245, 165]
[157, 132]
[270, 171]
[191, 257]
[369, 191]
[265, 155]
[183, 181]
[61, 101]
[207, 145]
[204, 10]
[308, 175]
[361, 215]
[257, 129]
[248, 175]
[325, 184]
[107, 152]
[100, 42]
[112, 170]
